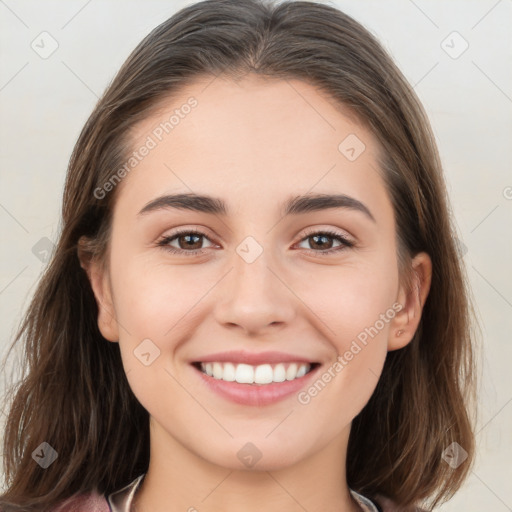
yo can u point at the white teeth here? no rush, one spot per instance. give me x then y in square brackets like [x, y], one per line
[229, 372]
[261, 374]
[217, 370]
[279, 374]
[291, 373]
[301, 372]
[244, 374]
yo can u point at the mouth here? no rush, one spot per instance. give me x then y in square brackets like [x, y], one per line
[255, 375]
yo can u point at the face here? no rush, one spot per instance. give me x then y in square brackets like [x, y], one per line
[316, 284]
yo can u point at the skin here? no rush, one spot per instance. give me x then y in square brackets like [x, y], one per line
[254, 144]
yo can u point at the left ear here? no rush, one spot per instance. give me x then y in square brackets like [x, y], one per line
[406, 321]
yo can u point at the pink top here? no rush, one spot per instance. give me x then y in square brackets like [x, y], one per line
[121, 500]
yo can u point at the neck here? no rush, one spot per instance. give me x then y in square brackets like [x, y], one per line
[179, 480]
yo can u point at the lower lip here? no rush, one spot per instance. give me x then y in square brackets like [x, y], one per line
[256, 394]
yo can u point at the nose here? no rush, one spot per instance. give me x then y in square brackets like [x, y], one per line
[255, 296]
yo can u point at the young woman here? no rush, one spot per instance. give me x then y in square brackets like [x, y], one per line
[256, 301]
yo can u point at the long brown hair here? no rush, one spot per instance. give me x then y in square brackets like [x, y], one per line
[74, 394]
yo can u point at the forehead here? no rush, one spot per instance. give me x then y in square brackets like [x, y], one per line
[256, 137]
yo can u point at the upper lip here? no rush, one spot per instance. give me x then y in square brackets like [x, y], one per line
[253, 358]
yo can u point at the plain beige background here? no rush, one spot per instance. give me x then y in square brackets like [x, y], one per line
[457, 54]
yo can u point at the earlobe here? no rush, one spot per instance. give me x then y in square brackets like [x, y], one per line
[406, 321]
[101, 287]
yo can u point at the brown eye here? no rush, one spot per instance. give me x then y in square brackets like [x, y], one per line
[188, 242]
[322, 242]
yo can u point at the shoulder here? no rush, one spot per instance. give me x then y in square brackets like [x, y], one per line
[388, 505]
[89, 502]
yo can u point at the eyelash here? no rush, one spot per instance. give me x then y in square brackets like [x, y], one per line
[346, 243]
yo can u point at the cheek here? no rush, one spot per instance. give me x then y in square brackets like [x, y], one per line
[351, 296]
[158, 308]
[354, 307]
[152, 299]
[154, 306]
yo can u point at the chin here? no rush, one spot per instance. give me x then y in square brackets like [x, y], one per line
[255, 455]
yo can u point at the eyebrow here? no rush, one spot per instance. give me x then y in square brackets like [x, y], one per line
[293, 206]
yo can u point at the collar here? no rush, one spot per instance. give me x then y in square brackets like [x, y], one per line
[121, 500]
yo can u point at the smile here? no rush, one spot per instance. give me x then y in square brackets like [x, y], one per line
[259, 385]
[261, 374]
